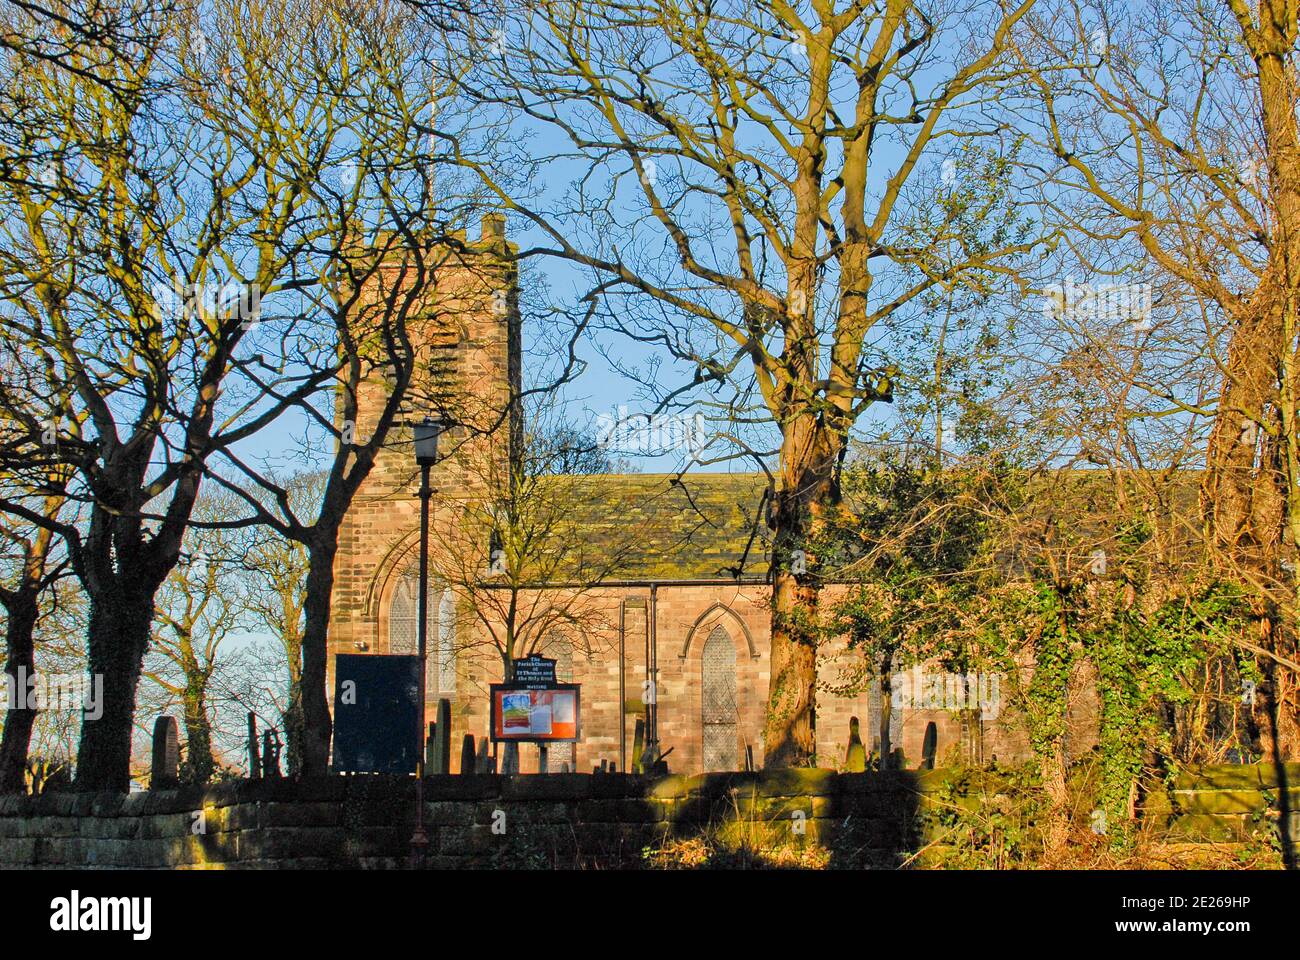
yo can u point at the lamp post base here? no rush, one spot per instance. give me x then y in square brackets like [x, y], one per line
[419, 848]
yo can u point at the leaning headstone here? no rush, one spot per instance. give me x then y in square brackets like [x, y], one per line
[855, 761]
[467, 754]
[163, 770]
[638, 746]
[440, 762]
[929, 746]
[510, 758]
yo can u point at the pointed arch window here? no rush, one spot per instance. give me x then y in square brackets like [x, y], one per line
[719, 713]
[404, 636]
[446, 649]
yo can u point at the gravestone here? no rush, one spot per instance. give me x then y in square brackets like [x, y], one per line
[270, 755]
[638, 746]
[254, 755]
[440, 762]
[855, 761]
[929, 746]
[510, 758]
[166, 754]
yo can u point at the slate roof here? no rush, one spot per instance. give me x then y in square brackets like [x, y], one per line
[694, 527]
[709, 526]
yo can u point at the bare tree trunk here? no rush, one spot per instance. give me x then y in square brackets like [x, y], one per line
[199, 763]
[789, 734]
[309, 716]
[1247, 505]
[293, 714]
[1056, 830]
[886, 711]
[118, 636]
[22, 614]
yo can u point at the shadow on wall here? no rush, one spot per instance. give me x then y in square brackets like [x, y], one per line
[796, 818]
[799, 818]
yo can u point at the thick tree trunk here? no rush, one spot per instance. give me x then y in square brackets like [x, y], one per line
[789, 734]
[1247, 504]
[886, 713]
[293, 714]
[1249, 496]
[19, 718]
[118, 636]
[309, 715]
[199, 763]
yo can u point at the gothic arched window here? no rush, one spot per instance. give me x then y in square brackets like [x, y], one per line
[447, 644]
[719, 713]
[404, 637]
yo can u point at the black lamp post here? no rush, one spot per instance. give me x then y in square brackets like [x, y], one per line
[426, 453]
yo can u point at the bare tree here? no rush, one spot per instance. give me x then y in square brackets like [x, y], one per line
[166, 283]
[32, 568]
[1170, 132]
[755, 190]
[201, 605]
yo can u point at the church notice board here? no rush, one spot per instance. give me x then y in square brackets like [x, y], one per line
[534, 708]
[531, 715]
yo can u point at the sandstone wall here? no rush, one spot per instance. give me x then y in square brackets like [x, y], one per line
[484, 821]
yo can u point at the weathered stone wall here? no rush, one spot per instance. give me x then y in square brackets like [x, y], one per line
[1226, 803]
[561, 820]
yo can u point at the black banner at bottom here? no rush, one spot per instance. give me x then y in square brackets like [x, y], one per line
[140, 910]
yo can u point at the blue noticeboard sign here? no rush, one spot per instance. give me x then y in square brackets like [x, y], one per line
[535, 673]
[377, 722]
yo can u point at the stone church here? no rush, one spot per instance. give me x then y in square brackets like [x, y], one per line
[683, 611]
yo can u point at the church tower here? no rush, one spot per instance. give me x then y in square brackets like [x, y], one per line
[468, 371]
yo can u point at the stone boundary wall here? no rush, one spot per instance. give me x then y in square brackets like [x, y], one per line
[1226, 803]
[564, 820]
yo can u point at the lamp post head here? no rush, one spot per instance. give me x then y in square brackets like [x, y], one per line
[426, 440]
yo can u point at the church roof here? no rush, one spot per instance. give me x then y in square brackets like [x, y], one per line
[702, 526]
[709, 526]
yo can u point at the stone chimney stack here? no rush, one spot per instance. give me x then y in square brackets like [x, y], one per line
[494, 228]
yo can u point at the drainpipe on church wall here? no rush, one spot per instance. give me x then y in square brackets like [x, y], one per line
[622, 686]
[652, 668]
